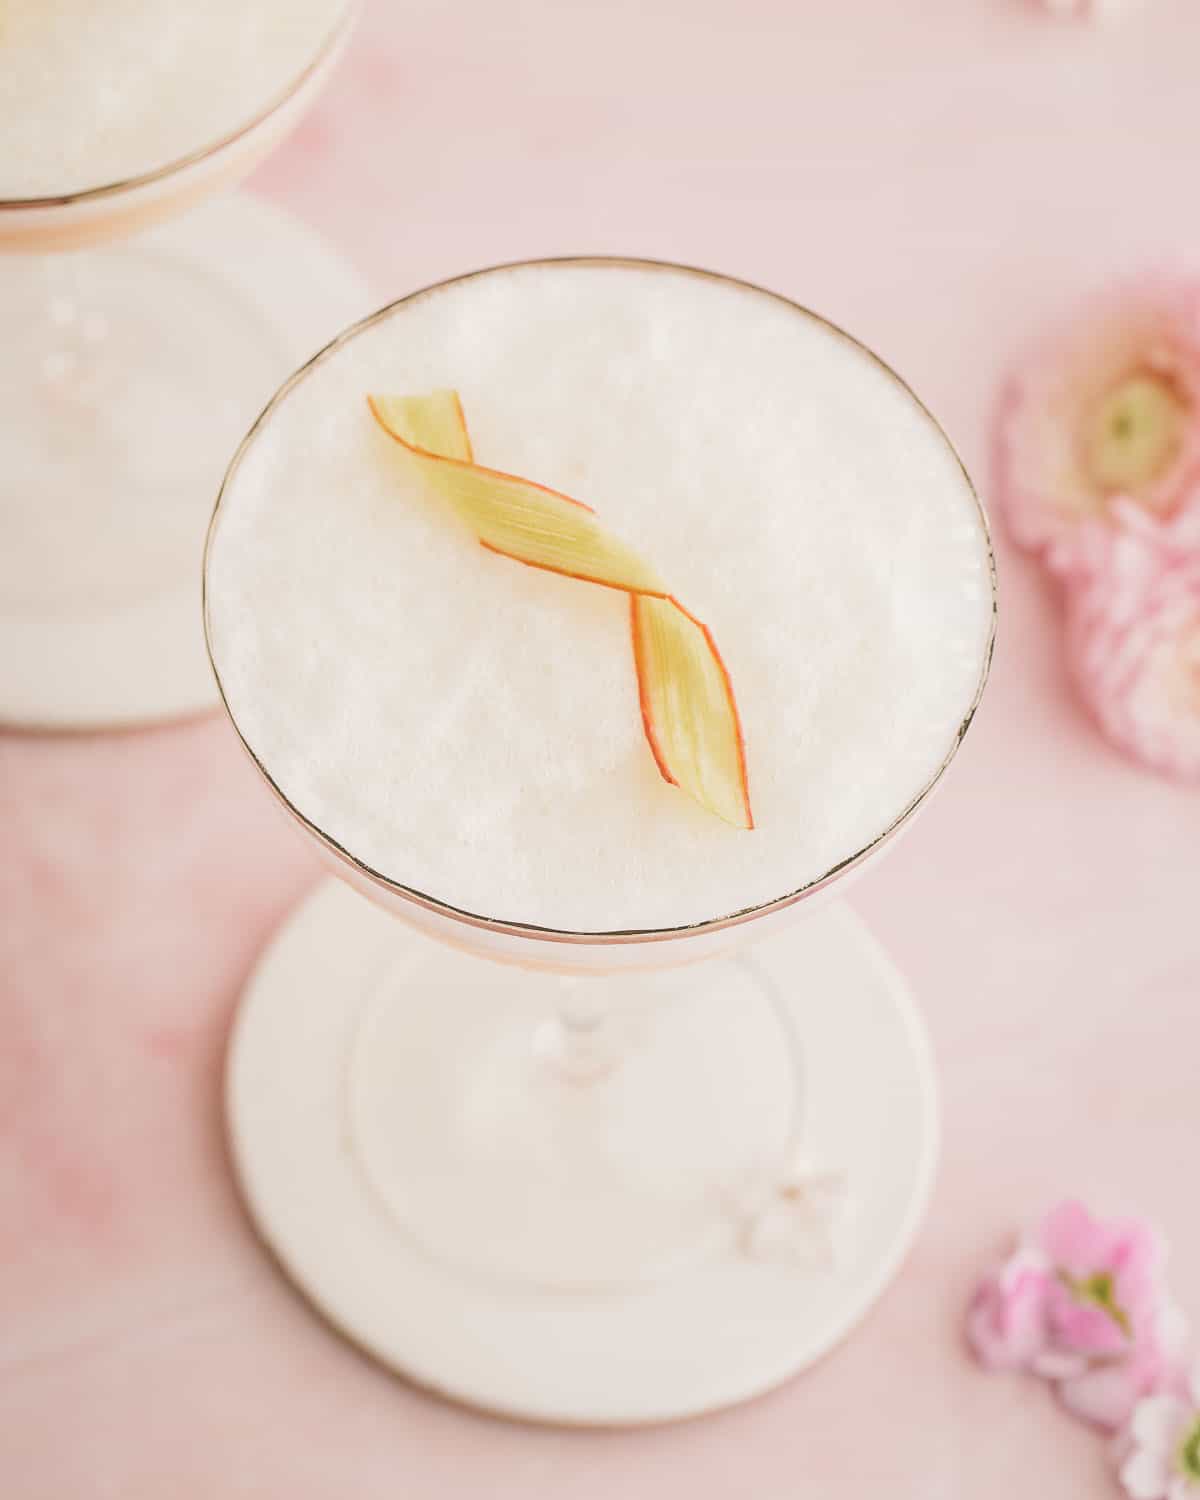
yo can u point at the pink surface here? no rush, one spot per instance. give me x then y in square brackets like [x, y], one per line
[937, 176]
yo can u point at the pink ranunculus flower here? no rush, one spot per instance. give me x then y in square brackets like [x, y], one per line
[1006, 1321]
[1108, 406]
[1133, 630]
[1163, 1462]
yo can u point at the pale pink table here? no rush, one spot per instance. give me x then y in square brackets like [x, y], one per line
[937, 176]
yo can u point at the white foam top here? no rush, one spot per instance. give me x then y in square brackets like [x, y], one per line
[469, 727]
[94, 92]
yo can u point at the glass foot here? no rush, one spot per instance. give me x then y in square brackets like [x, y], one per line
[617, 1245]
[506, 1136]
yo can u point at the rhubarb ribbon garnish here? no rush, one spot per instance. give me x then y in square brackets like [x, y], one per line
[688, 708]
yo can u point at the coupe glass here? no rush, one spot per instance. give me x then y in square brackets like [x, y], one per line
[128, 371]
[587, 1177]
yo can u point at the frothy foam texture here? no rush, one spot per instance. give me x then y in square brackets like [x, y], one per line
[95, 93]
[469, 727]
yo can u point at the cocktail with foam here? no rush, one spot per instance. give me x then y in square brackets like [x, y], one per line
[116, 114]
[462, 734]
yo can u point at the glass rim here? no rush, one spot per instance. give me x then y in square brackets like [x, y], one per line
[139, 180]
[535, 931]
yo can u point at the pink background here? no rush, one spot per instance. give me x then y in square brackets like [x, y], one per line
[938, 176]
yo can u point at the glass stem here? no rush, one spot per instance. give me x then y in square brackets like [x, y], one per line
[582, 1040]
[793, 1142]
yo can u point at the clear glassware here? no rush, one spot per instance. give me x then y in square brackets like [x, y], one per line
[133, 358]
[581, 1176]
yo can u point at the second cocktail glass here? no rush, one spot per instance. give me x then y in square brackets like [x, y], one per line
[138, 344]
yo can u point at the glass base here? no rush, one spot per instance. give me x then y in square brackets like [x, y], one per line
[575, 1225]
[515, 1144]
[128, 376]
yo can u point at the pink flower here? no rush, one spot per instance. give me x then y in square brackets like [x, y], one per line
[1105, 1395]
[1133, 631]
[1111, 1333]
[1106, 1281]
[1082, 1304]
[1107, 407]
[1107, 1392]
[1164, 1457]
[1006, 1325]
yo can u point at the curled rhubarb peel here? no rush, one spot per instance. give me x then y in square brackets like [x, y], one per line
[689, 713]
[435, 423]
[688, 708]
[515, 517]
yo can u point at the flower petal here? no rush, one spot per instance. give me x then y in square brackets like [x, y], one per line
[1070, 1237]
[1077, 404]
[1005, 1322]
[1157, 1421]
[1145, 1475]
[1133, 645]
[1104, 1396]
[1059, 1364]
[1083, 1327]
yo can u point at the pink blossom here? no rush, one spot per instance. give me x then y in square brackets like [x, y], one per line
[1106, 1280]
[1006, 1324]
[1106, 1393]
[1133, 630]
[1163, 1462]
[1082, 1304]
[1111, 1333]
[1108, 406]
